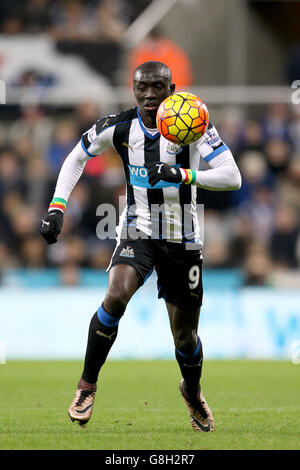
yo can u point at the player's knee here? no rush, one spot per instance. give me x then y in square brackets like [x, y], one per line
[116, 301]
[186, 343]
[104, 324]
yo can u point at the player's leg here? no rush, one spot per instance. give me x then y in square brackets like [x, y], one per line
[188, 347]
[180, 284]
[122, 284]
[189, 356]
[131, 264]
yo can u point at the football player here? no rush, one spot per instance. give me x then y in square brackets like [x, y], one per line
[159, 175]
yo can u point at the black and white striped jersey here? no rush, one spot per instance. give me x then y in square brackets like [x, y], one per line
[167, 210]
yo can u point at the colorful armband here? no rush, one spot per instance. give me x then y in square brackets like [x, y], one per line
[58, 203]
[190, 176]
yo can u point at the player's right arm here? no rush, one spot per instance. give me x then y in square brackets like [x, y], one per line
[92, 143]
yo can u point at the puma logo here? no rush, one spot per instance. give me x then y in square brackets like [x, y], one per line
[105, 336]
[127, 145]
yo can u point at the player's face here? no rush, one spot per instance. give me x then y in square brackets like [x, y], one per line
[150, 89]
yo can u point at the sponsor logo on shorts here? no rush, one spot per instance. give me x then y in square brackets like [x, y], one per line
[127, 252]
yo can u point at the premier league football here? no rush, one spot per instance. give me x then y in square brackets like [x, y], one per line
[149, 230]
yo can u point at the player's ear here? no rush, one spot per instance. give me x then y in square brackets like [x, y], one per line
[172, 88]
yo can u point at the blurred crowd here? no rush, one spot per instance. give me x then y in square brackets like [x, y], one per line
[70, 19]
[91, 29]
[259, 231]
[255, 229]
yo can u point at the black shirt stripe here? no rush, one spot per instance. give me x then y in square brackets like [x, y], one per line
[120, 141]
[185, 194]
[155, 196]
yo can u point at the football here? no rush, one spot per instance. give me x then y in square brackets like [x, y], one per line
[182, 118]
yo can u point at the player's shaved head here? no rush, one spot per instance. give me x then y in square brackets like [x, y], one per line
[152, 83]
[152, 67]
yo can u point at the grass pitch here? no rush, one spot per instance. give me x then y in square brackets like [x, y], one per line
[138, 406]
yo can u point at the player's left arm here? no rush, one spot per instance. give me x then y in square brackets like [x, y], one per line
[222, 173]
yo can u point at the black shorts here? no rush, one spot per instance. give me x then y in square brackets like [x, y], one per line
[179, 270]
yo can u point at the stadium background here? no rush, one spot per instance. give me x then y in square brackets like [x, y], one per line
[65, 63]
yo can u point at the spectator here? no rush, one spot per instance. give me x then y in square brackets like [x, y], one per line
[289, 184]
[285, 237]
[255, 173]
[217, 254]
[94, 34]
[257, 266]
[276, 121]
[36, 178]
[109, 26]
[157, 47]
[278, 155]
[260, 211]
[251, 137]
[241, 238]
[12, 25]
[100, 255]
[33, 252]
[7, 259]
[34, 125]
[71, 22]
[36, 16]
[64, 140]
[86, 114]
[11, 177]
[69, 274]
[231, 126]
[294, 130]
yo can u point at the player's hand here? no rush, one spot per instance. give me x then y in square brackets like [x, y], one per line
[158, 171]
[51, 226]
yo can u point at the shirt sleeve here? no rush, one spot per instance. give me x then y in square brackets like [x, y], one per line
[69, 174]
[210, 145]
[93, 142]
[221, 172]
[98, 138]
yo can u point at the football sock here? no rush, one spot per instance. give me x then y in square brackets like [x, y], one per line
[191, 368]
[102, 334]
